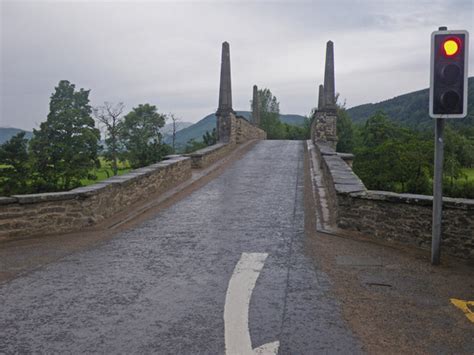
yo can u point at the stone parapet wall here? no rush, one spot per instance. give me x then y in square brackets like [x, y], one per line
[404, 218]
[243, 131]
[59, 212]
[205, 157]
[25, 215]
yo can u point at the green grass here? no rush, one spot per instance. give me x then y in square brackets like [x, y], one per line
[469, 173]
[105, 171]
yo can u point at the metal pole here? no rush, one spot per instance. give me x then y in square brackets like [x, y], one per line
[437, 192]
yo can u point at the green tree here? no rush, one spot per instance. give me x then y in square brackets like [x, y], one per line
[140, 133]
[393, 158]
[192, 145]
[417, 165]
[109, 116]
[454, 153]
[64, 149]
[345, 132]
[16, 170]
[295, 132]
[210, 138]
[269, 109]
[377, 129]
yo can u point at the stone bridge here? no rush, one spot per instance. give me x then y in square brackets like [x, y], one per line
[250, 246]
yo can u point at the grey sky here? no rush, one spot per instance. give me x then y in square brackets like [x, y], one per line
[168, 53]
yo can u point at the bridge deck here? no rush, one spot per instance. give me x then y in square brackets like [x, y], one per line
[162, 286]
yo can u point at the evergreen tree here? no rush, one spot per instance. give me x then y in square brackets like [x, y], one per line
[16, 170]
[64, 149]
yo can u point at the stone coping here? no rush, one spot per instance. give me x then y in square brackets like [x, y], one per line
[86, 191]
[348, 183]
[344, 179]
[206, 151]
[345, 156]
[424, 200]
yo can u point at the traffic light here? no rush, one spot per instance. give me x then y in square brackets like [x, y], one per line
[448, 85]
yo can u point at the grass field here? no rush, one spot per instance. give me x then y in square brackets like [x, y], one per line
[105, 171]
[469, 173]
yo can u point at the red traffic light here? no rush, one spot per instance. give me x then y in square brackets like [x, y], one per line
[451, 46]
[448, 72]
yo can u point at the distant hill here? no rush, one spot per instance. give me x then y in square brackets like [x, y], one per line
[168, 128]
[7, 133]
[411, 109]
[208, 123]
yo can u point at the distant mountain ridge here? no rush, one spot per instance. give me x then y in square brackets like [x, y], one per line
[411, 109]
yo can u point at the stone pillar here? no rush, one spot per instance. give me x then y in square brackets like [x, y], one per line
[329, 90]
[321, 98]
[323, 128]
[225, 97]
[255, 108]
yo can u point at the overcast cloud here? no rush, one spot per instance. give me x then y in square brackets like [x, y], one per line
[168, 53]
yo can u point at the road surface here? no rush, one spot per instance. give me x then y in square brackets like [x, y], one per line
[165, 287]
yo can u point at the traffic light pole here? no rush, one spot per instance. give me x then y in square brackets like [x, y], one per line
[448, 99]
[437, 192]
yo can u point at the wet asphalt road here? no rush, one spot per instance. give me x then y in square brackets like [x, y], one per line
[161, 286]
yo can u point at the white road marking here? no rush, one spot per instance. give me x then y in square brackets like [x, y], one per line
[236, 310]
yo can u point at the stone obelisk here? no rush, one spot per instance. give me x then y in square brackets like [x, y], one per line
[225, 97]
[329, 90]
[255, 108]
[323, 128]
[321, 98]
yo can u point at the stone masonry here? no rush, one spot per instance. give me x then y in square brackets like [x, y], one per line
[255, 108]
[323, 127]
[329, 89]
[225, 97]
[404, 218]
[57, 212]
[321, 98]
[233, 129]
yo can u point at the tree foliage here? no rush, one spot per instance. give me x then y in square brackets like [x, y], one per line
[210, 138]
[140, 133]
[110, 116]
[64, 149]
[395, 158]
[16, 169]
[345, 132]
[269, 109]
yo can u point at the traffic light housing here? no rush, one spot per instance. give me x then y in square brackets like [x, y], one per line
[448, 83]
